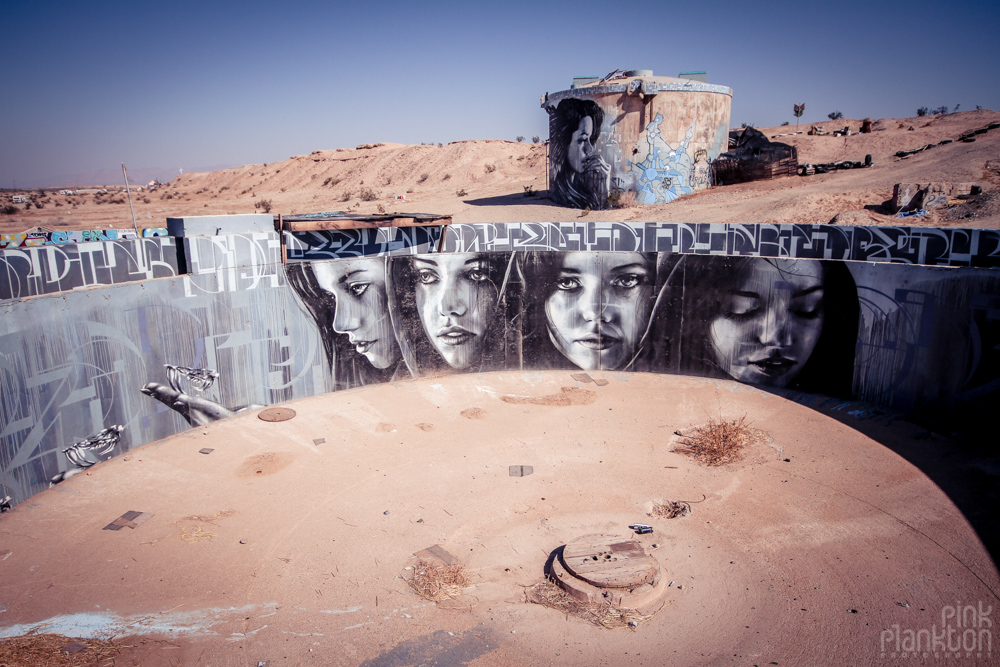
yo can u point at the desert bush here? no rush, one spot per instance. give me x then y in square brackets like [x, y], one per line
[535, 140]
[490, 168]
[461, 192]
[718, 443]
[388, 180]
[618, 198]
[346, 196]
[940, 110]
[381, 209]
[446, 177]
[785, 123]
[835, 115]
[27, 206]
[423, 177]
[264, 204]
[223, 188]
[145, 200]
[367, 194]
[9, 209]
[58, 203]
[529, 191]
[39, 204]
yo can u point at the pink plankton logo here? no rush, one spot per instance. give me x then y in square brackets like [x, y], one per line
[965, 633]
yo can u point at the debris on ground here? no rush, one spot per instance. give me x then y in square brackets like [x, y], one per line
[717, 443]
[436, 582]
[602, 614]
[52, 650]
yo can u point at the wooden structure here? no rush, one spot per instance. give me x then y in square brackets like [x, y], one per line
[753, 157]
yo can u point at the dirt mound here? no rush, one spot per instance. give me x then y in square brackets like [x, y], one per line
[488, 181]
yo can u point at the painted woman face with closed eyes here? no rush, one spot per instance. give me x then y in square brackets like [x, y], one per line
[598, 307]
[362, 313]
[456, 298]
[770, 320]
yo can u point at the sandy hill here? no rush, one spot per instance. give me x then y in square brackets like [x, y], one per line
[485, 181]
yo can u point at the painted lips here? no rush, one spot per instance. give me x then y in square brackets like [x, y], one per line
[773, 366]
[598, 341]
[364, 345]
[454, 335]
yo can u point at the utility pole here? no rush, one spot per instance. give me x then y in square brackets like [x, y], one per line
[131, 208]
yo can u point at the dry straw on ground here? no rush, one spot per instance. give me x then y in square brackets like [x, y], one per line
[606, 615]
[717, 443]
[50, 650]
[671, 509]
[436, 582]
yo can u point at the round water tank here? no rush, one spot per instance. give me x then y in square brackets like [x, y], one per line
[651, 137]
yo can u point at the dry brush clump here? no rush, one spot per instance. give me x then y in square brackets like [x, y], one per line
[436, 582]
[718, 442]
[603, 614]
[671, 509]
[51, 650]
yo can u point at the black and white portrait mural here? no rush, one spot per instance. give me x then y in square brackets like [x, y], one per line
[137, 362]
[580, 177]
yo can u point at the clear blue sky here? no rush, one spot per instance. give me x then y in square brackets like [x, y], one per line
[89, 85]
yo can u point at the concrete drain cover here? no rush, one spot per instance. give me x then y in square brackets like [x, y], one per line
[276, 414]
[610, 568]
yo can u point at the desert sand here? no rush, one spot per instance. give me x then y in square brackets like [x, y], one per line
[485, 181]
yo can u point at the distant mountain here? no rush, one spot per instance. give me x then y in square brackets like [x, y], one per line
[136, 176]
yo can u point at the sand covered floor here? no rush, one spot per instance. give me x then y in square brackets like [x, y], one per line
[288, 542]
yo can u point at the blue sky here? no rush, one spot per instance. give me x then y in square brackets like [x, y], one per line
[87, 86]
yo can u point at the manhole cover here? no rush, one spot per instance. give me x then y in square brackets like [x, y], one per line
[276, 414]
[610, 569]
[609, 561]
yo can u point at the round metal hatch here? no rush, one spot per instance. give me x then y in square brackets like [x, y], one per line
[608, 561]
[276, 414]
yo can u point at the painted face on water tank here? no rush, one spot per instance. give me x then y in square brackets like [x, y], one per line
[579, 145]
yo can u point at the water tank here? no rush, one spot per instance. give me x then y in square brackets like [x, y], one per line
[634, 135]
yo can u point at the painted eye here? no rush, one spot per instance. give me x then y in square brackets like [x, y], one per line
[627, 281]
[477, 275]
[808, 313]
[357, 289]
[427, 277]
[567, 284]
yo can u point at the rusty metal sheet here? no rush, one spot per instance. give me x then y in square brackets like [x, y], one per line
[131, 519]
[276, 414]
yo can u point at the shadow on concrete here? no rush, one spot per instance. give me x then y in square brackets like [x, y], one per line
[540, 198]
[960, 454]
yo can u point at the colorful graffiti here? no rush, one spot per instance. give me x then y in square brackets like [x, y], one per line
[661, 173]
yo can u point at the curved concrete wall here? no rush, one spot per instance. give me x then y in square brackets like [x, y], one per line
[88, 374]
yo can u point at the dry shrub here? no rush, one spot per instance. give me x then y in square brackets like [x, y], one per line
[671, 509]
[621, 198]
[436, 582]
[718, 443]
[47, 651]
[603, 614]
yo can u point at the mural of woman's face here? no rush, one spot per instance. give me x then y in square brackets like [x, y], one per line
[362, 313]
[770, 321]
[456, 300]
[599, 306]
[579, 145]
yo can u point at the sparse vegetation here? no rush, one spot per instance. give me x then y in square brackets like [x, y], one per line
[331, 181]
[785, 123]
[535, 140]
[717, 443]
[461, 192]
[520, 139]
[835, 115]
[940, 110]
[618, 198]
[263, 204]
[446, 177]
[436, 582]
[423, 177]
[367, 194]
[381, 209]
[529, 191]
[490, 168]
[9, 209]
[346, 196]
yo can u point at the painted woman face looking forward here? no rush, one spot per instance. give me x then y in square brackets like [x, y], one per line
[456, 298]
[598, 307]
[362, 313]
[769, 321]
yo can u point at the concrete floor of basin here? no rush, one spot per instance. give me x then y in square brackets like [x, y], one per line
[286, 544]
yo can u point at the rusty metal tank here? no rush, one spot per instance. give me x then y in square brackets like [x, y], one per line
[633, 134]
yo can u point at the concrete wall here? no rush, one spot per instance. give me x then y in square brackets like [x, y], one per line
[88, 374]
[652, 138]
